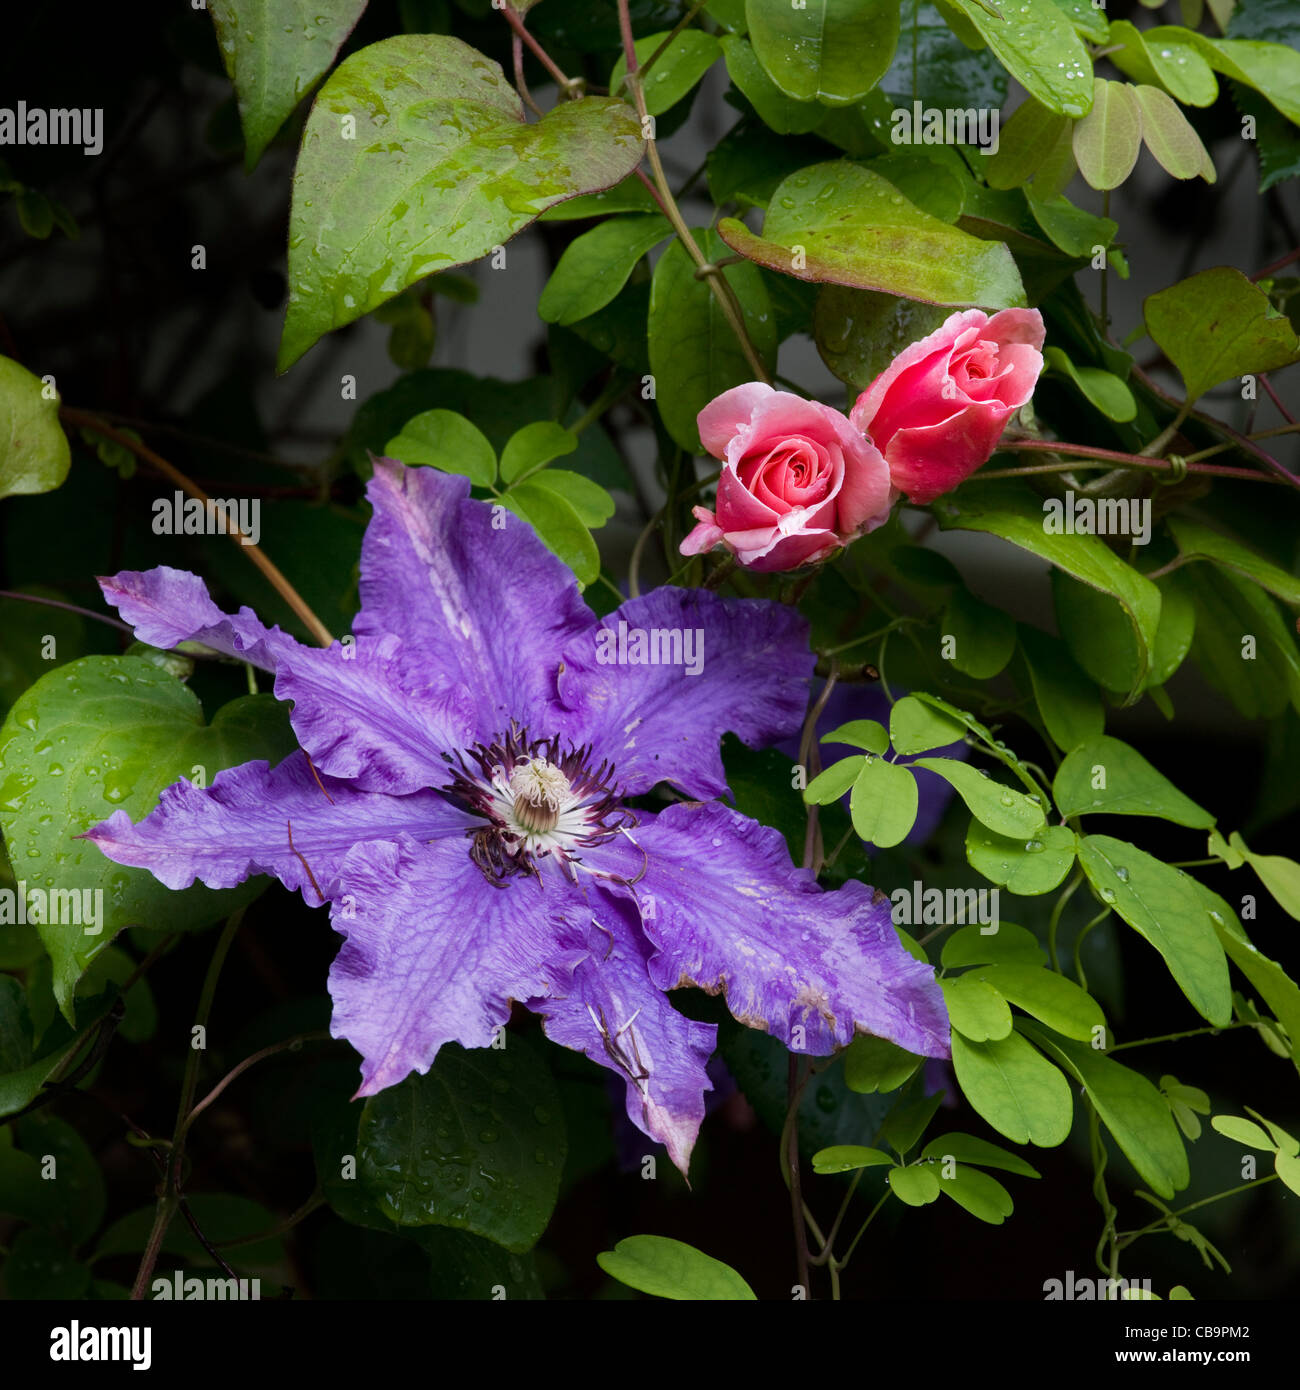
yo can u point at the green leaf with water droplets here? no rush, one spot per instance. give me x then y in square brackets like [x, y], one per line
[846, 1158]
[842, 224]
[688, 56]
[1001, 808]
[1163, 56]
[1129, 786]
[1171, 910]
[416, 157]
[476, 1143]
[966, 1148]
[916, 727]
[1037, 44]
[274, 52]
[1025, 867]
[672, 1269]
[105, 734]
[776, 110]
[831, 51]
[34, 454]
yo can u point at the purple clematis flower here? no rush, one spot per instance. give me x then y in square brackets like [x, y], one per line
[461, 800]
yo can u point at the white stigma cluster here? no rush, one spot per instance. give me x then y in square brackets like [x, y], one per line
[538, 804]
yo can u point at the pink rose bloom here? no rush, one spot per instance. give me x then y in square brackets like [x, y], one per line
[798, 481]
[938, 410]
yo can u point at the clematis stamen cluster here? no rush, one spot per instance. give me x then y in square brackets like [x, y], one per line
[462, 794]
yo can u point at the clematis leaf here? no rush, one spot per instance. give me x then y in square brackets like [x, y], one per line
[477, 1143]
[274, 52]
[109, 733]
[416, 158]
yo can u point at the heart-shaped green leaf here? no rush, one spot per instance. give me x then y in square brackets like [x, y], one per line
[99, 735]
[274, 52]
[416, 158]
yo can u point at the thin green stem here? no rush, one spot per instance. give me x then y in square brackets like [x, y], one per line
[169, 1190]
[617, 385]
[1070, 889]
[1188, 1033]
[1126, 1238]
[1078, 946]
[848, 1254]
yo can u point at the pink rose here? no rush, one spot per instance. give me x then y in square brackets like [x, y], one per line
[798, 481]
[938, 410]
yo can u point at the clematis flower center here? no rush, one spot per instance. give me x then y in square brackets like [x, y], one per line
[534, 801]
[541, 791]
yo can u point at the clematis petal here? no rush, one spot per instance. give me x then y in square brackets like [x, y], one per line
[241, 824]
[363, 713]
[434, 953]
[741, 665]
[728, 911]
[610, 1009]
[472, 593]
[168, 606]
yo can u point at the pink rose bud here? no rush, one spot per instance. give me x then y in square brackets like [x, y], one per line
[798, 481]
[938, 410]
